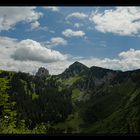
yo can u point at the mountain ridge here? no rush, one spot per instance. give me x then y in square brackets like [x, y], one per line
[83, 100]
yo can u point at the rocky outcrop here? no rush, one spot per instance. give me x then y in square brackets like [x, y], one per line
[42, 72]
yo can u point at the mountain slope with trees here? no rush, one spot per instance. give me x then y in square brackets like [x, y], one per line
[80, 100]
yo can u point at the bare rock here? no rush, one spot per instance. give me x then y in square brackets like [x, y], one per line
[42, 72]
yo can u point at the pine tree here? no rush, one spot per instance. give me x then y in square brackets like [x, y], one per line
[7, 113]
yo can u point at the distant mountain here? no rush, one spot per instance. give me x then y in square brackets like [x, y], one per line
[83, 100]
[74, 69]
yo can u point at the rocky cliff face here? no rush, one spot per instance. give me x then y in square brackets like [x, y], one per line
[42, 72]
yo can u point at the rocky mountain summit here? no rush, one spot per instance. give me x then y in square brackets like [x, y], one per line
[42, 72]
[74, 69]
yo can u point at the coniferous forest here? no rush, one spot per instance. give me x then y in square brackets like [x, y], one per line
[80, 100]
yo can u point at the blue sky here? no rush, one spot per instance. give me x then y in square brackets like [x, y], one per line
[55, 37]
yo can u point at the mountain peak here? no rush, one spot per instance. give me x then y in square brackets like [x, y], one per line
[74, 69]
[77, 64]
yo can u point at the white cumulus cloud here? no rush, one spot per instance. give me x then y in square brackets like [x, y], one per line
[28, 55]
[35, 25]
[78, 15]
[70, 33]
[131, 54]
[31, 50]
[52, 8]
[78, 25]
[10, 16]
[55, 41]
[123, 21]
[127, 60]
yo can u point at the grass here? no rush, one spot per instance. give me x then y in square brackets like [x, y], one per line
[71, 123]
[71, 80]
[1, 71]
[75, 93]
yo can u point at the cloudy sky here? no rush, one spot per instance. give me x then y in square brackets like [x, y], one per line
[55, 37]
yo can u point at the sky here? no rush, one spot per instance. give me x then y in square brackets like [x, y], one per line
[55, 37]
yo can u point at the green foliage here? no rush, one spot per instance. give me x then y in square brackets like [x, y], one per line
[75, 94]
[80, 100]
[71, 80]
[34, 96]
[7, 114]
[71, 124]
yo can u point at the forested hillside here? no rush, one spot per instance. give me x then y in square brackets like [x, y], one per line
[80, 100]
